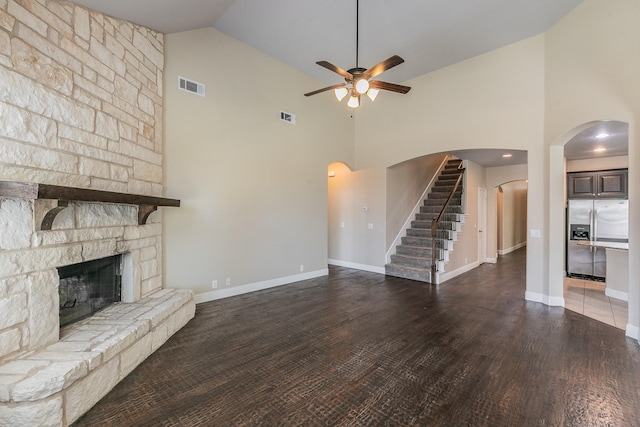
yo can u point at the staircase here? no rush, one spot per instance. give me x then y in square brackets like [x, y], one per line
[412, 259]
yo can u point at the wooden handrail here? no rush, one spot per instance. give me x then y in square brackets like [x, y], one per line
[434, 226]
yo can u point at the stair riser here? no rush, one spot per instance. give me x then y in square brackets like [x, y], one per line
[422, 276]
[422, 242]
[440, 202]
[411, 262]
[443, 225]
[451, 217]
[424, 233]
[416, 241]
[443, 196]
[446, 189]
[447, 180]
[436, 210]
[413, 251]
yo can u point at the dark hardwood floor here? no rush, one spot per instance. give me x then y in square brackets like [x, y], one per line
[358, 348]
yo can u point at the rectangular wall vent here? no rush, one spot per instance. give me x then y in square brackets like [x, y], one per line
[190, 86]
[288, 117]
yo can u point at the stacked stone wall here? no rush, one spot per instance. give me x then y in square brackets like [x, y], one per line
[80, 106]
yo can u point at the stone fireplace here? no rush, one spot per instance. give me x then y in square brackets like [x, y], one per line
[51, 375]
[82, 108]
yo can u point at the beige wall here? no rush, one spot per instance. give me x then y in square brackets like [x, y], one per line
[603, 163]
[351, 211]
[466, 247]
[497, 176]
[406, 184]
[253, 188]
[514, 216]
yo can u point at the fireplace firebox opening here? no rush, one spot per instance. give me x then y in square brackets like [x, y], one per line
[88, 287]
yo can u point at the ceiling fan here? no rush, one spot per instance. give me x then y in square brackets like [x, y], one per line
[358, 80]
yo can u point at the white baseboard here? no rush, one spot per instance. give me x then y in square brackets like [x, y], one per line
[491, 260]
[612, 293]
[544, 299]
[512, 248]
[443, 277]
[259, 286]
[633, 332]
[355, 266]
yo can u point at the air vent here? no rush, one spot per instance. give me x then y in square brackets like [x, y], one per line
[190, 86]
[288, 117]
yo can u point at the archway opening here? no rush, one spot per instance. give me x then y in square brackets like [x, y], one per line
[595, 152]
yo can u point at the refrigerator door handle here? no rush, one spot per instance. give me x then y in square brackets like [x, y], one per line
[591, 234]
[595, 224]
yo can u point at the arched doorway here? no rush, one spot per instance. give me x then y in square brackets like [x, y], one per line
[594, 146]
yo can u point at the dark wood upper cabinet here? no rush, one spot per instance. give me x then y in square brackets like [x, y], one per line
[613, 184]
[610, 184]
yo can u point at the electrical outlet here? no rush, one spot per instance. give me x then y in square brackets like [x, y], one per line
[214, 284]
[301, 268]
[228, 281]
[370, 226]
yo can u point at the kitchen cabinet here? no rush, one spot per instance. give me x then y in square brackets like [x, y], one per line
[610, 184]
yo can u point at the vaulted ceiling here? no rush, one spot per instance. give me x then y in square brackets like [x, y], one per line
[428, 34]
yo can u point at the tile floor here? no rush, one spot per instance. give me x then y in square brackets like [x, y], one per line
[588, 298]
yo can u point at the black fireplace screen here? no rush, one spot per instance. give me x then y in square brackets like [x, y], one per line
[88, 287]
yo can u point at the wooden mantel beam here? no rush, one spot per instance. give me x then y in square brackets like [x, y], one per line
[28, 190]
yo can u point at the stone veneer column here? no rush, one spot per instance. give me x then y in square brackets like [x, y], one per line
[80, 105]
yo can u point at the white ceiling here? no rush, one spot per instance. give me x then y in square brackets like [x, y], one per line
[616, 141]
[428, 34]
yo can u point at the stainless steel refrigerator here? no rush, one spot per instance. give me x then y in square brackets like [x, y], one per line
[600, 220]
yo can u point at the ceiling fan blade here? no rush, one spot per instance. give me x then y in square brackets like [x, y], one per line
[377, 84]
[383, 66]
[324, 89]
[330, 66]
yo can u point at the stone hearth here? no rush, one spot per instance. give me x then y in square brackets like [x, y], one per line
[58, 383]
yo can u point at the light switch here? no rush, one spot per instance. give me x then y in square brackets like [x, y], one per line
[370, 226]
[535, 233]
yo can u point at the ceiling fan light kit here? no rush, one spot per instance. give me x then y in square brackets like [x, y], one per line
[341, 92]
[358, 80]
[354, 100]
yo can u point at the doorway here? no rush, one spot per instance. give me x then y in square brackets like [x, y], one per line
[511, 212]
[597, 146]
